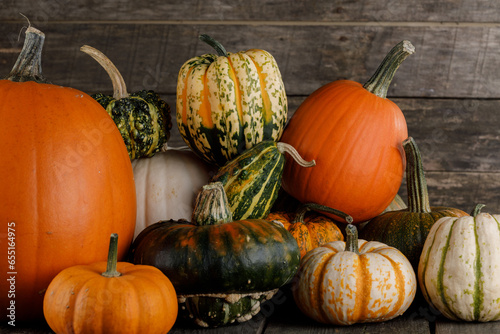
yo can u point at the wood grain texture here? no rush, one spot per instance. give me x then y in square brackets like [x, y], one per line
[242, 10]
[450, 62]
[452, 327]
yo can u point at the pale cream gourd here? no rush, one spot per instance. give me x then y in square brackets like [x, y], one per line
[459, 269]
[167, 184]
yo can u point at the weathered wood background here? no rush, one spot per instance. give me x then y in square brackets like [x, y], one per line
[449, 90]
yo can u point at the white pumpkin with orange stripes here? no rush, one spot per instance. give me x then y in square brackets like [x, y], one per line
[229, 102]
[355, 281]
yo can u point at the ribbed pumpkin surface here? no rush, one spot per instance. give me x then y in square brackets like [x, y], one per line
[357, 148]
[459, 267]
[341, 287]
[228, 104]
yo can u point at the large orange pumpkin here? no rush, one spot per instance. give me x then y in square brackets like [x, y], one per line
[355, 135]
[67, 182]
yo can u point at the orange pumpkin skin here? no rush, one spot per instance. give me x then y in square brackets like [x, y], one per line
[356, 138]
[81, 300]
[67, 182]
[313, 231]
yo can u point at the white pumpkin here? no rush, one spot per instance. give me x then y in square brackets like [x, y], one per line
[459, 269]
[167, 184]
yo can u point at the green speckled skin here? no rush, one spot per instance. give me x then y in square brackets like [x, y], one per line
[208, 311]
[243, 256]
[143, 119]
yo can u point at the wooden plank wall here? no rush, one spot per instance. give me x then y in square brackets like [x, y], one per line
[449, 90]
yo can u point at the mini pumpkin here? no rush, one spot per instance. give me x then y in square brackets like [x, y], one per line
[143, 118]
[221, 269]
[110, 297]
[228, 102]
[459, 271]
[343, 283]
[311, 231]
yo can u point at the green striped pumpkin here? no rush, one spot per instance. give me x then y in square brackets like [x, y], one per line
[252, 180]
[227, 103]
[459, 269]
[222, 260]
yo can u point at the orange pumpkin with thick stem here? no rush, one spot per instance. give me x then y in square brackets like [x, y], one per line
[67, 181]
[110, 298]
[311, 231]
[355, 135]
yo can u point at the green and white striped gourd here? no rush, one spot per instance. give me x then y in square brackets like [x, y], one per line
[253, 179]
[459, 270]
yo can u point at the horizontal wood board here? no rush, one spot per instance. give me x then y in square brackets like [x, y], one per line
[318, 11]
[449, 62]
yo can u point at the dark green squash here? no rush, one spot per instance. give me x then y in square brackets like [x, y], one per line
[222, 260]
[143, 118]
[253, 179]
[407, 229]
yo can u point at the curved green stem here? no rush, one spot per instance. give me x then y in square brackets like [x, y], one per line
[477, 209]
[221, 51]
[418, 196]
[212, 206]
[379, 83]
[304, 208]
[28, 66]
[351, 242]
[112, 257]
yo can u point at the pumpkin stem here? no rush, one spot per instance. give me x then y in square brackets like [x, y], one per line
[112, 257]
[304, 208]
[351, 243]
[28, 66]
[284, 147]
[212, 206]
[477, 209]
[221, 51]
[418, 196]
[119, 86]
[379, 83]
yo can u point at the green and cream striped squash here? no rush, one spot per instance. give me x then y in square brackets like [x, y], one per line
[459, 270]
[227, 103]
[253, 179]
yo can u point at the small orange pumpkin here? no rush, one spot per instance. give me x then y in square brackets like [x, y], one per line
[311, 231]
[110, 297]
